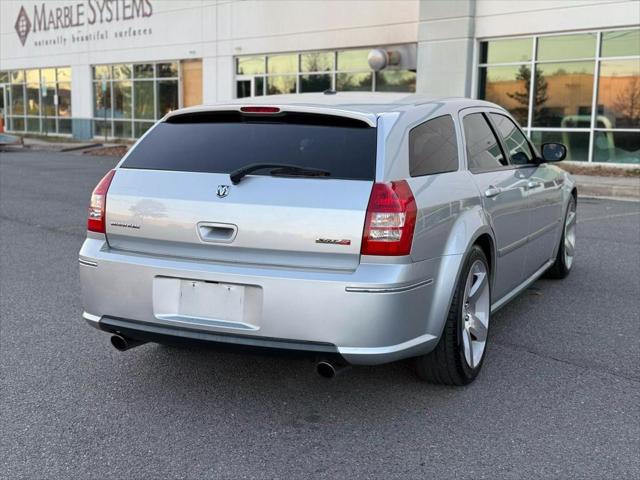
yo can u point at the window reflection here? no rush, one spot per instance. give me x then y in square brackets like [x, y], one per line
[282, 64]
[281, 84]
[395, 81]
[354, 82]
[316, 62]
[353, 59]
[563, 47]
[621, 43]
[506, 51]
[508, 87]
[619, 147]
[577, 143]
[143, 106]
[167, 96]
[122, 99]
[315, 83]
[563, 94]
[619, 93]
[249, 65]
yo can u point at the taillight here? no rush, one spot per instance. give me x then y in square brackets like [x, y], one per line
[390, 221]
[259, 109]
[98, 205]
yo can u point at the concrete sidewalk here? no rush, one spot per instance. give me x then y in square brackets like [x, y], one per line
[613, 187]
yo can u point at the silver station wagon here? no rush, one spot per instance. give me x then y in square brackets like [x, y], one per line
[353, 228]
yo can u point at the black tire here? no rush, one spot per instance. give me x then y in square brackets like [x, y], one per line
[446, 364]
[560, 269]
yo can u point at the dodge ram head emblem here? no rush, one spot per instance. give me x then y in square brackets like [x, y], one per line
[223, 191]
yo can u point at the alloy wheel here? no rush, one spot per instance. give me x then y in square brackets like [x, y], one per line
[475, 313]
[570, 235]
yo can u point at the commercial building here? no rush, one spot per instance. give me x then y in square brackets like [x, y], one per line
[568, 70]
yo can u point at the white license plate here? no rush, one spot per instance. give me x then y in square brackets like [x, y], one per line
[217, 301]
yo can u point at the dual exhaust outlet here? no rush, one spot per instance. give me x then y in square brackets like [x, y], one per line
[325, 368]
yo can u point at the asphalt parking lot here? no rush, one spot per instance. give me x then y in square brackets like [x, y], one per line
[559, 396]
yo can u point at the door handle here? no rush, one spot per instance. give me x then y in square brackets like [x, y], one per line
[217, 232]
[532, 184]
[492, 192]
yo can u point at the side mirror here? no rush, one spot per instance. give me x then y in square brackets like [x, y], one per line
[553, 152]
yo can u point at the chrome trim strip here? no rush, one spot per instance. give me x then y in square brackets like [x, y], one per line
[90, 317]
[516, 291]
[529, 238]
[386, 350]
[87, 263]
[403, 288]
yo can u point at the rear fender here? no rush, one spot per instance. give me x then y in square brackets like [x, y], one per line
[468, 228]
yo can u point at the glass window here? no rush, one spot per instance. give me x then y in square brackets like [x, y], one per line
[17, 99]
[141, 127]
[17, 76]
[64, 99]
[64, 126]
[281, 84]
[18, 124]
[4, 77]
[101, 71]
[33, 99]
[243, 88]
[48, 97]
[249, 65]
[64, 74]
[564, 47]
[48, 125]
[143, 98]
[102, 128]
[224, 142]
[48, 75]
[122, 129]
[577, 143]
[33, 76]
[518, 148]
[143, 70]
[316, 62]
[282, 64]
[619, 94]
[509, 87]
[354, 82]
[121, 72]
[483, 150]
[102, 99]
[563, 94]
[259, 86]
[395, 81]
[315, 83]
[167, 97]
[33, 125]
[619, 147]
[353, 60]
[122, 99]
[622, 43]
[167, 70]
[506, 51]
[433, 147]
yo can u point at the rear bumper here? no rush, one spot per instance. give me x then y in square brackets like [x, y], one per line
[376, 314]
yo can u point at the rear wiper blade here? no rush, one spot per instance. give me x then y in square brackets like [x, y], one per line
[277, 169]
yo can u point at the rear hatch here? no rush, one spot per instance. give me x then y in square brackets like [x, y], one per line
[173, 195]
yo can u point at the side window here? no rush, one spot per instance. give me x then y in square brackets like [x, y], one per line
[519, 150]
[433, 147]
[483, 150]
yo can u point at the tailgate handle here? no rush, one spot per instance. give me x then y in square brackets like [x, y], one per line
[217, 232]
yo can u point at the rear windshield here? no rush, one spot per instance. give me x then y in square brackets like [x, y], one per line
[225, 141]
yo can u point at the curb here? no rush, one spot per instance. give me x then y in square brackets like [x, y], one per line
[622, 192]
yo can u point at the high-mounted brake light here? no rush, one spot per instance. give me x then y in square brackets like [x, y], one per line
[390, 221]
[259, 109]
[98, 205]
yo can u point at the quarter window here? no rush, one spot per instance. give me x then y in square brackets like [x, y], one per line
[483, 149]
[517, 145]
[433, 147]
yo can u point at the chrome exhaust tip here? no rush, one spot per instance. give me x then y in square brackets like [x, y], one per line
[121, 343]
